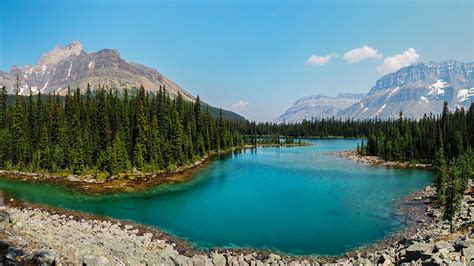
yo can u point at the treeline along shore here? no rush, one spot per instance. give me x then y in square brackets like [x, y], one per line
[106, 133]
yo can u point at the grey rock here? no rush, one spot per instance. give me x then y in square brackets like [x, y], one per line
[4, 217]
[418, 251]
[443, 247]
[218, 259]
[468, 254]
[12, 254]
[93, 260]
[44, 257]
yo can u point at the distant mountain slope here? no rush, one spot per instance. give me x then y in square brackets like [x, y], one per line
[72, 66]
[417, 90]
[317, 107]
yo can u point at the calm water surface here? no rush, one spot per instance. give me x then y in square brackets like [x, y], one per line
[297, 200]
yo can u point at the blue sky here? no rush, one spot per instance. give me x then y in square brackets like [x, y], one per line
[254, 57]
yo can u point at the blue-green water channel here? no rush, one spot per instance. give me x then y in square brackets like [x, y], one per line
[298, 200]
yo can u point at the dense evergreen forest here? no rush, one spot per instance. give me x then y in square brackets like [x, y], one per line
[446, 141]
[324, 128]
[107, 132]
[420, 140]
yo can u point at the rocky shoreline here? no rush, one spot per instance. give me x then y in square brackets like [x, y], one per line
[33, 234]
[123, 182]
[375, 160]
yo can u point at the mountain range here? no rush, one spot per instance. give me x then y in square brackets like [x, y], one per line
[318, 107]
[71, 66]
[415, 90]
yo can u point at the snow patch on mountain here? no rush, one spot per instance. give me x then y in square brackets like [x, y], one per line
[394, 91]
[465, 94]
[45, 85]
[69, 71]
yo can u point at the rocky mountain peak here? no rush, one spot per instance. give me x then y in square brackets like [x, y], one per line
[111, 53]
[417, 90]
[421, 75]
[71, 66]
[60, 53]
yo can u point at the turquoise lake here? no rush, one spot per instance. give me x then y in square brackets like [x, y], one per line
[299, 201]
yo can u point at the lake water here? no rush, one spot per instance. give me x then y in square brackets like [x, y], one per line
[298, 200]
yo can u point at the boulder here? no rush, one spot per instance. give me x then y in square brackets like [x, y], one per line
[468, 253]
[93, 260]
[13, 254]
[218, 259]
[44, 258]
[443, 245]
[384, 259]
[418, 250]
[459, 244]
[4, 217]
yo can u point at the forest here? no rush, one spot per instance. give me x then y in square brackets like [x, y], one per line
[445, 141]
[108, 131]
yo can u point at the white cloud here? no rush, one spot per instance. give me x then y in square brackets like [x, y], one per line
[394, 63]
[240, 105]
[320, 60]
[362, 53]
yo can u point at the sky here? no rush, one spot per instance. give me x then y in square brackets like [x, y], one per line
[253, 57]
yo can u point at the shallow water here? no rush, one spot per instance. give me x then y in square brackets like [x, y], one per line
[298, 200]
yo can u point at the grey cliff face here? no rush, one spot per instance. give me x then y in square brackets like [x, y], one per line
[417, 90]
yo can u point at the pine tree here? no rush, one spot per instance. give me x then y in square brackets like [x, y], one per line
[454, 194]
[441, 176]
[138, 160]
[198, 118]
[222, 132]
[77, 152]
[3, 107]
[119, 156]
[177, 140]
[156, 153]
[20, 148]
[61, 153]
[141, 129]
[44, 151]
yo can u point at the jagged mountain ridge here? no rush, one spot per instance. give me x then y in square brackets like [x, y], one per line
[417, 90]
[318, 107]
[72, 66]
